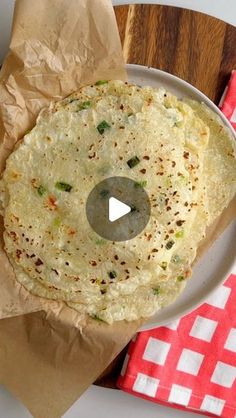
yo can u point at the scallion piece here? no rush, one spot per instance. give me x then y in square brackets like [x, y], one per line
[132, 162]
[101, 82]
[169, 245]
[97, 318]
[104, 193]
[156, 291]
[64, 187]
[100, 241]
[41, 190]
[85, 105]
[103, 126]
[112, 274]
[164, 265]
[133, 208]
[180, 278]
[179, 234]
[140, 184]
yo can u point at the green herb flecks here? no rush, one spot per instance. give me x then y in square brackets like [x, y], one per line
[102, 127]
[169, 244]
[57, 222]
[180, 278]
[100, 241]
[132, 162]
[140, 184]
[41, 190]
[101, 82]
[156, 291]
[179, 234]
[63, 187]
[85, 105]
[176, 259]
[112, 274]
[133, 208]
[97, 318]
[104, 193]
[164, 265]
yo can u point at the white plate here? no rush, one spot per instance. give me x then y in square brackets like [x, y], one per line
[217, 263]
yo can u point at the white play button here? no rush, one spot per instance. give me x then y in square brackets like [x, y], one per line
[117, 209]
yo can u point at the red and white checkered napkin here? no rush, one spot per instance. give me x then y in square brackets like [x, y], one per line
[191, 363]
[228, 102]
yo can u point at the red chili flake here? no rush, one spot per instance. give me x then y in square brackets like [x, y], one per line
[93, 263]
[55, 271]
[171, 231]
[154, 250]
[149, 257]
[121, 127]
[160, 174]
[127, 271]
[175, 192]
[143, 171]
[160, 159]
[149, 236]
[116, 257]
[92, 156]
[52, 201]
[93, 280]
[121, 107]
[186, 204]
[186, 154]
[122, 263]
[173, 163]
[176, 213]
[103, 282]
[71, 232]
[146, 157]
[168, 208]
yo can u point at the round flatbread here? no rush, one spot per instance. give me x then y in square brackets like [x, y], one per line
[88, 137]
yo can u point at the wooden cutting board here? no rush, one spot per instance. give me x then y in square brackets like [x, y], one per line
[196, 47]
[193, 46]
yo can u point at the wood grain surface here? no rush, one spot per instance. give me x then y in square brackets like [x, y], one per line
[196, 47]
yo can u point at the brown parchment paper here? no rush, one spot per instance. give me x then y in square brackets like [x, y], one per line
[48, 355]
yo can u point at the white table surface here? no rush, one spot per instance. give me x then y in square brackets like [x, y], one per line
[98, 402]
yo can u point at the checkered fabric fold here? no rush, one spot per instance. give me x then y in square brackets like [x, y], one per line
[228, 101]
[191, 363]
